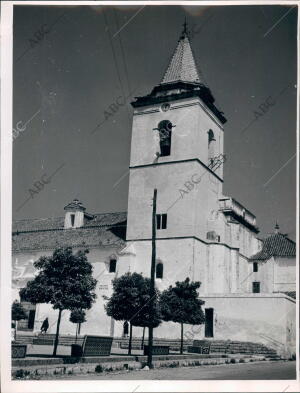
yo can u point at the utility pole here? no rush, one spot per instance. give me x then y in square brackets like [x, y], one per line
[152, 283]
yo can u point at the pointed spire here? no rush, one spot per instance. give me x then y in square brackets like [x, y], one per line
[182, 66]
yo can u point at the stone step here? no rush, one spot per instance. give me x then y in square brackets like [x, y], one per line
[234, 347]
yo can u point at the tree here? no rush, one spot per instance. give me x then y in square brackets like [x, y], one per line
[130, 302]
[77, 316]
[17, 313]
[181, 304]
[65, 281]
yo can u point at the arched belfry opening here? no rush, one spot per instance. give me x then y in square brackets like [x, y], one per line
[159, 270]
[211, 145]
[165, 137]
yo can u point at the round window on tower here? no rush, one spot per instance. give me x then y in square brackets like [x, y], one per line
[165, 107]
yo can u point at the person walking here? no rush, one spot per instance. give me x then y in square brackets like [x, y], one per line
[45, 326]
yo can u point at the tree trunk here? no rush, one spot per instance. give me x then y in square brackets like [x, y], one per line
[181, 344]
[77, 328]
[130, 339]
[57, 333]
[15, 330]
[143, 339]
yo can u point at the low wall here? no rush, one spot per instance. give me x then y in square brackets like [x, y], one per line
[264, 318]
[267, 319]
[108, 365]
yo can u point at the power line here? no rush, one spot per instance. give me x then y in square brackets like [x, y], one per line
[122, 51]
[115, 59]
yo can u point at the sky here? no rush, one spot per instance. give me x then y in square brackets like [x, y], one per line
[72, 63]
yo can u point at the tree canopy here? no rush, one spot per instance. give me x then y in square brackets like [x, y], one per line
[77, 316]
[64, 280]
[130, 300]
[181, 304]
[17, 311]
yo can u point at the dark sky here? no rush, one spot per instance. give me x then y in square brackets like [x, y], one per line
[68, 78]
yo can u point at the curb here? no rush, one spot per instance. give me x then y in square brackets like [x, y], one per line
[34, 372]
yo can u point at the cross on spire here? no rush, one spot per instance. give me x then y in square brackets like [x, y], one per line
[184, 31]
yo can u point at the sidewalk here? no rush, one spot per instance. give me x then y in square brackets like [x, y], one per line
[36, 365]
[281, 370]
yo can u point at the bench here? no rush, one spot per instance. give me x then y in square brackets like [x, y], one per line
[133, 345]
[18, 351]
[92, 346]
[157, 350]
[43, 341]
[200, 346]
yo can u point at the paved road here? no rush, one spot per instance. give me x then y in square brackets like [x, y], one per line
[242, 371]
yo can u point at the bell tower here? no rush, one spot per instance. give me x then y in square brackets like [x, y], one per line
[177, 136]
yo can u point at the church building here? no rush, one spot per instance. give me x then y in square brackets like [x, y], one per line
[177, 147]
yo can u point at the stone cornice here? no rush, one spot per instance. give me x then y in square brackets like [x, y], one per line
[192, 237]
[178, 162]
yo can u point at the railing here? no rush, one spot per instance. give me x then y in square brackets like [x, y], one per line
[236, 207]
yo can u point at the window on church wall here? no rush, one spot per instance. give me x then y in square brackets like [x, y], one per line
[211, 136]
[211, 235]
[256, 287]
[112, 265]
[159, 270]
[165, 137]
[211, 146]
[255, 267]
[158, 221]
[161, 221]
[72, 219]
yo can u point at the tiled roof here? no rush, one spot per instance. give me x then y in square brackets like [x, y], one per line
[182, 66]
[39, 224]
[48, 233]
[276, 245]
[107, 219]
[75, 204]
